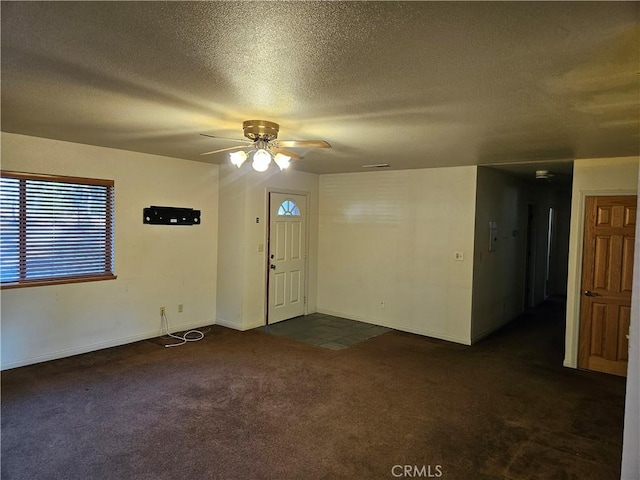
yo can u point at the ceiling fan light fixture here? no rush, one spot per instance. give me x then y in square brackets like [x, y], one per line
[261, 160]
[263, 146]
[282, 160]
[238, 158]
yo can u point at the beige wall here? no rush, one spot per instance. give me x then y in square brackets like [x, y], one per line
[242, 266]
[603, 176]
[156, 265]
[391, 237]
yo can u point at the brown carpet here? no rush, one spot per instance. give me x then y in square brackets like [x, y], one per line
[249, 405]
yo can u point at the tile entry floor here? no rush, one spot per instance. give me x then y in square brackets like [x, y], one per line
[326, 331]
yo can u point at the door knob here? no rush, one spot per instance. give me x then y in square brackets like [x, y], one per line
[589, 293]
[272, 266]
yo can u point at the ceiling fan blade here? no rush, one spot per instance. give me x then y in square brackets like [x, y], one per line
[222, 150]
[288, 153]
[302, 143]
[226, 138]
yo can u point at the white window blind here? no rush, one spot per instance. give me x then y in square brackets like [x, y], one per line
[54, 229]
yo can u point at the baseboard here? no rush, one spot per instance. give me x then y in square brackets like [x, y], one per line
[69, 352]
[229, 324]
[238, 326]
[254, 325]
[485, 333]
[417, 331]
[488, 331]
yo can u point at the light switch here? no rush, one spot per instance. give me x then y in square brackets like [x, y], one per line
[261, 247]
[458, 256]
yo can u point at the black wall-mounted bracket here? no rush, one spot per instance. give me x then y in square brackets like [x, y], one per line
[170, 216]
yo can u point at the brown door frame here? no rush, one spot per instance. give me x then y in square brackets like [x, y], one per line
[589, 291]
[574, 278]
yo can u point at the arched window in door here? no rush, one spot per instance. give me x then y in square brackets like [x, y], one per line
[288, 208]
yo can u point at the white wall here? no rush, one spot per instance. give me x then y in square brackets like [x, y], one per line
[231, 248]
[631, 443]
[560, 250]
[242, 266]
[499, 275]
[602, 176]
[156, 265]
[391, 237]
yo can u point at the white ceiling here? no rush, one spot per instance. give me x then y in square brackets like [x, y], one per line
[412, 84]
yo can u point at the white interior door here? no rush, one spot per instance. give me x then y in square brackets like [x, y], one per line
[287, 254]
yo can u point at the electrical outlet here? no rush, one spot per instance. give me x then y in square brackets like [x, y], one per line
[382, 305]
[180, 308]
[161, 310]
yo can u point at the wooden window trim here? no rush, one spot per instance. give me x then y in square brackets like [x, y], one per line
[59, 281]
[57, 178]
[108, 252]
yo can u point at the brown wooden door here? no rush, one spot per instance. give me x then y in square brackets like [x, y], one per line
[607, 276]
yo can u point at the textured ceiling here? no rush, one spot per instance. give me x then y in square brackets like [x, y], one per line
[412, 84]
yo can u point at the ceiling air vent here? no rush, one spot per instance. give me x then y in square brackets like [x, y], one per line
[377, 165]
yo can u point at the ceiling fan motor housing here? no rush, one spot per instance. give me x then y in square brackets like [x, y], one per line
[260, 130]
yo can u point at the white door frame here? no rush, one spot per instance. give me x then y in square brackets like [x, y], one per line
[267, 202]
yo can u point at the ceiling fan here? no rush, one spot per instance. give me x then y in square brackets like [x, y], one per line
[262, 140]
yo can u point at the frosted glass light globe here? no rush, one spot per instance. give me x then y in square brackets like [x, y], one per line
[238, 158]
[282, 160]
[261, 160]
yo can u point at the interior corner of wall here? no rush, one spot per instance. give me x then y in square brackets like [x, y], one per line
[228, 323]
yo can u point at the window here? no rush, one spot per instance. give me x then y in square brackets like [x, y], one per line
[289, 208]
[54, 229]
